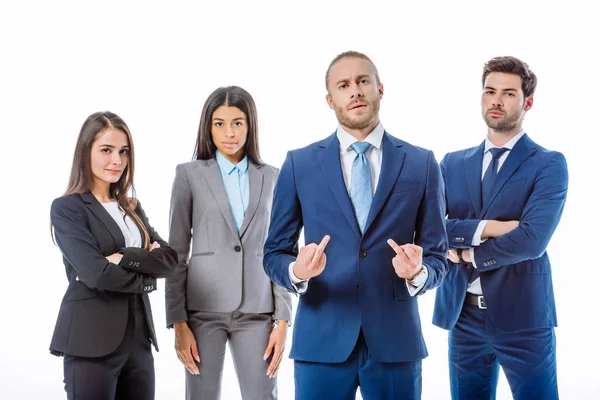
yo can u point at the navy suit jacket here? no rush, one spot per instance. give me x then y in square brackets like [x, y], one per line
[359, 287]
[514, 268]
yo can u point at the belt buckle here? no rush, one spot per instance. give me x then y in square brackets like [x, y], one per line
[481, 303]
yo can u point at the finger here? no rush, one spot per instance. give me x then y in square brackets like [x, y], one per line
[188, 363]
[308, 252]
[269, 349]
[401, 259]
[195, 354]
[412, 255]
[323, 243]
[274, 362]
[279, 358]
[397, 249]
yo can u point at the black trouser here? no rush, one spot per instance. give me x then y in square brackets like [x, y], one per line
[126, 373]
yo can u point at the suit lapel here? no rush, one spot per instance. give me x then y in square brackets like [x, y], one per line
[391, 164]
[215, 183]
[329, 160]
[255, 180]
[522, 150]
[473, 166]
[99, 211]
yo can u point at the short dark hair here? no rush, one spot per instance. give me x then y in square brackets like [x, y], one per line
[511, 65]
[351, 54]
[231, 96]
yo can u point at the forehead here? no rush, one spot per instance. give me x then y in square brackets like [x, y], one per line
[502, 80]
[228, 112]
[113, 137]
[348, 67]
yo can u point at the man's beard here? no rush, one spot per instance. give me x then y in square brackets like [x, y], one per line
[507, 123]
[364, 121]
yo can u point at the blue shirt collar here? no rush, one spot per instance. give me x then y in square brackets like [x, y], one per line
[228, 167]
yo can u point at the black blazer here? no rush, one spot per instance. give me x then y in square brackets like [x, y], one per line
[94, 310]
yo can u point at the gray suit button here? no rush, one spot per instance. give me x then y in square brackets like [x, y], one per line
[130, 263]
[237, 249]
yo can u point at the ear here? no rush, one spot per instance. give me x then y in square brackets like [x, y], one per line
[380, 91]
[329, 101]
[528, 103]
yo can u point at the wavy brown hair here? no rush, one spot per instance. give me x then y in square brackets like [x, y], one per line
[81, 179]
[230, 96]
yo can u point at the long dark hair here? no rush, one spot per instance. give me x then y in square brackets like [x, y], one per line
[81, 179]
[230, 96]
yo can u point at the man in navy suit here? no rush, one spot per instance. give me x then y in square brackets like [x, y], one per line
[504, 200]
[375, 205]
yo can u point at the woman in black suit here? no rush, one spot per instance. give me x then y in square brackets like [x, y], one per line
[112, 258]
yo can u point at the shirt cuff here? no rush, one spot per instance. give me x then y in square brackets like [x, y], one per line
[417, 284]
[477, 240]
[300, 286]
[472, 254]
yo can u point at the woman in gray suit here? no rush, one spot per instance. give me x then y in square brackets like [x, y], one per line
[220, 206]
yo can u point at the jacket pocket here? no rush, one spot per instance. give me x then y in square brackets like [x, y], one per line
[400, 291]
[402, 186]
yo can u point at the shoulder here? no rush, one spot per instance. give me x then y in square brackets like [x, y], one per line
[268, 170]
[68, 202]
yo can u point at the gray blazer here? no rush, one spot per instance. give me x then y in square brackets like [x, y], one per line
[224, 270]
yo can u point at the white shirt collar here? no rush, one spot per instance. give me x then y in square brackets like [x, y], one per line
[509, 145]
[374, 138]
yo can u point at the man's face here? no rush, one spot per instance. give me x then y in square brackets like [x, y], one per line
[353, 93]
[503, 104]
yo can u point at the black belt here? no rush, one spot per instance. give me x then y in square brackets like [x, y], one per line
[476, 300]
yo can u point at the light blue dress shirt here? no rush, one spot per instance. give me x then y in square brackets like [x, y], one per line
[235, 179]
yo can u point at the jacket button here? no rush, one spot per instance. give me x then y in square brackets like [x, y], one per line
[237, 249]
[362, 254]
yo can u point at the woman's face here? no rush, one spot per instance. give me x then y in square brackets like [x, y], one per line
[109, 157]
[229, 130]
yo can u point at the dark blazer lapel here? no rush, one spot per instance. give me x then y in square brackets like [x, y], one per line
[391, 164]
[473, 165]
[217, 187]
[522, 150]
[329, 160]
[255, 180]
[99, 211]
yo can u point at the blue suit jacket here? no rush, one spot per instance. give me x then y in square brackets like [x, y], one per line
[359, 287]
[515, 270]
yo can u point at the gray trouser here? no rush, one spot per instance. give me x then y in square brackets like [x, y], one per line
[248, 336]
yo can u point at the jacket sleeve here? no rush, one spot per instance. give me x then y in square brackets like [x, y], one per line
[180, 236]
[159, 263]
[281, 246]
[80, 249]
[538, 221]
[430, 229]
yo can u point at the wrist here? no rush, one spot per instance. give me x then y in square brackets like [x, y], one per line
[417, 274]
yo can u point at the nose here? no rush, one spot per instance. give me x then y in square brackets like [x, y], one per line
[497, 101]
[356, 91]
[230, 133]
[116, 158]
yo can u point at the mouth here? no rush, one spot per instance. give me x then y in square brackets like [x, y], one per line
[229, 145]
[358, 106]
[495, 113]
[114, 171]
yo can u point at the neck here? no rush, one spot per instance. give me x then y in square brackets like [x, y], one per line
[361, 134]
[101, 192]
[500, 137]
[234, 158]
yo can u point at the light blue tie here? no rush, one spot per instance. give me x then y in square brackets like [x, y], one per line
[361, 190]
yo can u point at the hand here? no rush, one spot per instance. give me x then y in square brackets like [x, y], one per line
[494, 229]
[154, 245]
[453, 255]
[275, 348]
[311, 260]
[408, 261]
[186, 348]
[115, 258]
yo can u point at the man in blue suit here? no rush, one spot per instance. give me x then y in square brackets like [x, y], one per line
[504, 199]
[358, 193]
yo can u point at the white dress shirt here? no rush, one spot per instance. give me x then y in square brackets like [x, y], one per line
[475, 286]
[374, 156]
[131, 233]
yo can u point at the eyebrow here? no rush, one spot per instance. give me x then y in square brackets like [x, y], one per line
[358, 77]
[221, 119]
[504, 90]
[112, 147]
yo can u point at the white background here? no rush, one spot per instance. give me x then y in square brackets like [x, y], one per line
[154, 65]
